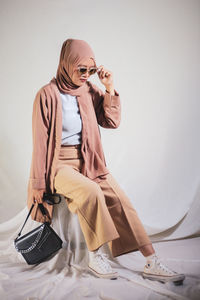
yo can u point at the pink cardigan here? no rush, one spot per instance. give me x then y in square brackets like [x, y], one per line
[99, 108]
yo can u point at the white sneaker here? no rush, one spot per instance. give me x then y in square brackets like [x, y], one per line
[99, 265]
[156, 270]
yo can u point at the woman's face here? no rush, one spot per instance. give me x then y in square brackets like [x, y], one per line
[76, 77]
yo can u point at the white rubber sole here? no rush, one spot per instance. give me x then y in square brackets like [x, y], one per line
[107, 276]
[175, 278]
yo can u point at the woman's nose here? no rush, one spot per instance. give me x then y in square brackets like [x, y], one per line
[86, 75]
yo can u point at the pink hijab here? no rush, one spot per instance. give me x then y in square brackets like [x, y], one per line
[72, 52]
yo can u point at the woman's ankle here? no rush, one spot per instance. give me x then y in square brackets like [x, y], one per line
[93, 252]
[147, 250]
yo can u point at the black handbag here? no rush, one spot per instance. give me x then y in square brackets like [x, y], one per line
[41, 243]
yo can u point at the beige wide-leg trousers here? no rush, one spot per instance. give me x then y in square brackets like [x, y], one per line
[105, 213]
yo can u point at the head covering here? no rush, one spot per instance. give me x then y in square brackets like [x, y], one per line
[72, 52]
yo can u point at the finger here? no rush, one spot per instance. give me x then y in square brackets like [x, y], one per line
[100, 68]
[41, 194]
[99, 73]
[40, 200]
[107, 74]
[36, 200]
[102, 74]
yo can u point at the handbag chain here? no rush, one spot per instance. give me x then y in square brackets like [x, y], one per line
[34, 243]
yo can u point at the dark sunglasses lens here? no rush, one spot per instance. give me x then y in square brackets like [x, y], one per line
[83, 70]
[92, 71]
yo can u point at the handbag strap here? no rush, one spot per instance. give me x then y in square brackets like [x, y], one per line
[42, 210]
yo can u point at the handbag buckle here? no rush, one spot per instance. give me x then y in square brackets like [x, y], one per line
[52, 199]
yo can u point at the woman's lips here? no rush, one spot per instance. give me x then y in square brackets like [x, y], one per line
[83, 79]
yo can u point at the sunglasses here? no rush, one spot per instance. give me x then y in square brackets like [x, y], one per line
[83, 70]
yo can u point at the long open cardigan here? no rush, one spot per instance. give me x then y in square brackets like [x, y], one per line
[97, 108]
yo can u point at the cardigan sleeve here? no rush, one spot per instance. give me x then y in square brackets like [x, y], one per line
[107, 107]
[40, 125]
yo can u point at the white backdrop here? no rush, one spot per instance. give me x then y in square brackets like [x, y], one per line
[152, 48]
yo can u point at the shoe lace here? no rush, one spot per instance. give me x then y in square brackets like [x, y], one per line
[162, 266]
[104, 261]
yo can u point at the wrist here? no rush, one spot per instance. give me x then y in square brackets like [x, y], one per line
[110, 86]
[110, 89]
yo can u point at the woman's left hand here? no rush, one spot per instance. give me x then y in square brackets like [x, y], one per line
[105, 76]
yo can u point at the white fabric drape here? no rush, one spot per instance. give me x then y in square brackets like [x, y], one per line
[65, 276]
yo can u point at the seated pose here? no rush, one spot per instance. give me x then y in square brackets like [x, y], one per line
[68, 159]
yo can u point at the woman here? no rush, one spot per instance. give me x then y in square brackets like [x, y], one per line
[68, 159]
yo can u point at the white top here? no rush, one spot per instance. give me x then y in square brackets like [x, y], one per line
[71, 120]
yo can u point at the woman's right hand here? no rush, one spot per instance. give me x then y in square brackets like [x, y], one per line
[37, 195]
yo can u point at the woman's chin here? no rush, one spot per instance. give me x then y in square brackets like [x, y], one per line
[80, 82]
